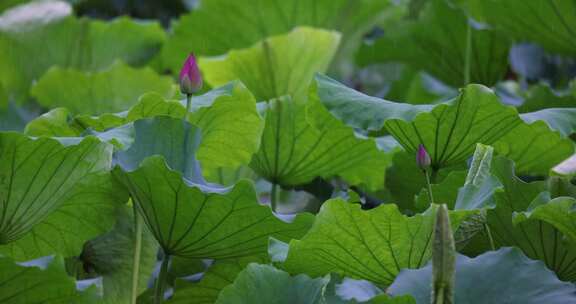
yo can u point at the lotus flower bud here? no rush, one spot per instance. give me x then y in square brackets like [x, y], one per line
[190, 77]
[443, 259]
[423, 158]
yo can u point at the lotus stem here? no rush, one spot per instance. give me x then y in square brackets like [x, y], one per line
[429, 187]
[468, 53]
[188, 104]
[137, 251]
[161, 280]
[273, 196]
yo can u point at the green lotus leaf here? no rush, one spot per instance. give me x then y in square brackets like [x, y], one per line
[32, 43]
[32, 284]
[84, 212]
[535, 148]
[266, 284]
[359, 110]
[445, 192]
[562, 120]
[303, 141]
[537, 238]
[111, 256]
[542, 96]
[110, 90]
[230, 109]
[437, 43]
[253, 21]
[451, 130]
[218, 276]
[54, 123]
[53, 195]
[559, 212]
[503, 276]
[276, 66]
[372, 245]
[198, 221]
[548, 23]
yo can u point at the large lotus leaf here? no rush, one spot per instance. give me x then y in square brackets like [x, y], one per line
[230, 109]
[559, 212]
[372, 245]
[31, 43]
[266, 284]
[111, 90]
[178, 149]
[276, 66]
[444, 192]
[221, 274]
[111, 256]
[302, 141]
[562, 120]
[54, 123]
[534, 147]
[437, 43]
[450, 132]
[196, 222]
[39, 176]
[537, 238]
[359, 110]
[505, 276]
[550, 23]
[84, 212]
[541, 96]
[32, 284]
[241, 23]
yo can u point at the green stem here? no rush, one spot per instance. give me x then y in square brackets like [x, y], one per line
[273, 196]
[137, 250]
[489, 233]
[439, 296]
[429, 187]
[188, 103]
[161, 280]
[468, 53]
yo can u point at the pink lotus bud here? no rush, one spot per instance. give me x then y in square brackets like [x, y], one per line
[422, 158]
[190, 77]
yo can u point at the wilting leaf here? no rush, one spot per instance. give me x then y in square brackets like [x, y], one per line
[503, 276]
[480, 185]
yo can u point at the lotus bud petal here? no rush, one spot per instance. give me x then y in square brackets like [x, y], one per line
[423, 158]
[190, 77]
